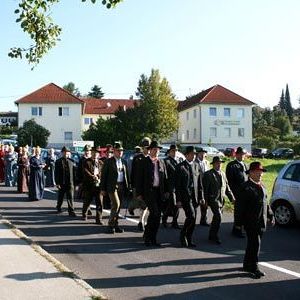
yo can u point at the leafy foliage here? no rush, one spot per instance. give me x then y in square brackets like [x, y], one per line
[35, 19]
[96, 92]
[33, 134]
[70, 87]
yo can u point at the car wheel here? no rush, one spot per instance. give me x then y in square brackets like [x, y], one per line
[284, 213]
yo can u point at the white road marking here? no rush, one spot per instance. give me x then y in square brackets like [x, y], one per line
[286, 271]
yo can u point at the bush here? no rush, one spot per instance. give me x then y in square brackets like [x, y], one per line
[265, 142]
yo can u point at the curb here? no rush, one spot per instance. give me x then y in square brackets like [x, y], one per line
[94, 294]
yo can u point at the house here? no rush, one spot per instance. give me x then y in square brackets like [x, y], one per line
[104, 108]
[216, 116]
[55, 109]
[65, 115]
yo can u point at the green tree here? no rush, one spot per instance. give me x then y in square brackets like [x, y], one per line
[70, 87]
[288, 106]
[96, 92]
[33, 134]
[282, 122]
[281, 103]
[265, 142]
[34, 17]
[158, 106]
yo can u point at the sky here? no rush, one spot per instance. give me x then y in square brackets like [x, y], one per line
[251, 47]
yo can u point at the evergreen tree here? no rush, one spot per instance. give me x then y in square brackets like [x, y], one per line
[96, 92]
[70, 87]
[288, 105]
[281, 103]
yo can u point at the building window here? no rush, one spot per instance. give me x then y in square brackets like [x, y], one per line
[187, 115]
[213, 132]
[68, 136]
[36, 111]
[213, 111]
[241, 132]
[226, 112]
[195, 134]
[63, 111]
[187, 135]
[241, 113]
[195, 113]
[227, 132]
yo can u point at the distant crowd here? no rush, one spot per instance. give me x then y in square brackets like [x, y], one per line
[158, 189]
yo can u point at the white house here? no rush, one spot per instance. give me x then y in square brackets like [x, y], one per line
[104, 108]
[55, 109]
[65, 115]
[216, 116]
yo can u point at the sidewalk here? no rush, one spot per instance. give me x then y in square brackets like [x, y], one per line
[28, 272]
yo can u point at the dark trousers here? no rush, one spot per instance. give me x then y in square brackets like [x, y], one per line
[216, 220]
[203, 210]
[90, 194]
[170, 209]
[69, 192]
[190, 220]
[252, 250]
[153, 202]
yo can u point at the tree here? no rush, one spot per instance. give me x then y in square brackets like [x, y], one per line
[158, 106]
[70, 87]
[288, 105]
[282, 122]
[96, 92]
[35, 20]
[33, 134]
[281, 103]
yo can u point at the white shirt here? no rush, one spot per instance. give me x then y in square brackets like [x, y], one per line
[120, 169]
[156, 174]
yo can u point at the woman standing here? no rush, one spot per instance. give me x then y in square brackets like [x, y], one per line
[50, 168]
[10, 162]
[2, 153]
[36, 177]
[23, 171]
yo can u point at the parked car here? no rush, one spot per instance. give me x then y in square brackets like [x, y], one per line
[212, 151]
[285, 200]
[281, 153]
[230, 152]
[259, 152]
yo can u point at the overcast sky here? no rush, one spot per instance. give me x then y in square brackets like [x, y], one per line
[250, 47]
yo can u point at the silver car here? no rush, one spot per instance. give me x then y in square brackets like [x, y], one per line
[285, 200]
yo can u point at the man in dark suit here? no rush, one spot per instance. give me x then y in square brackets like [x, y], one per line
[252, 212]
[91, 170]
[204, 166]
[189, 193]
[64, 178]
[114, 182]
[151, 187]
[236, 176]
[136, 165]
[171, 209]
[215, 187]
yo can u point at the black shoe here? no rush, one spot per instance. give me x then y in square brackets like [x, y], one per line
[72, 214]
[204, 224]
[191, 245]
[164, 224]
[131, 211]
[84, 217]
[59, 210]
[140, 226]
[89, 212]
[215, 240]
[256, 273]
[237, 233]
[110, 230]
[99, 222]
[155, 244]
[119, 230]
[175, 226]
[183, 240]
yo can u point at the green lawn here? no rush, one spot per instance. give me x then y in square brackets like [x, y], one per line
[273, 166]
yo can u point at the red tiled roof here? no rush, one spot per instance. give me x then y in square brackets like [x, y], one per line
[50, 93]
[106, 106]
[214, 95]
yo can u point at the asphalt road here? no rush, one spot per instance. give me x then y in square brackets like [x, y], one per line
[121, 267]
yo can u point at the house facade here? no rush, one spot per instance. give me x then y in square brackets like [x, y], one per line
[216, 116]
[65, 115]
[55, 109]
